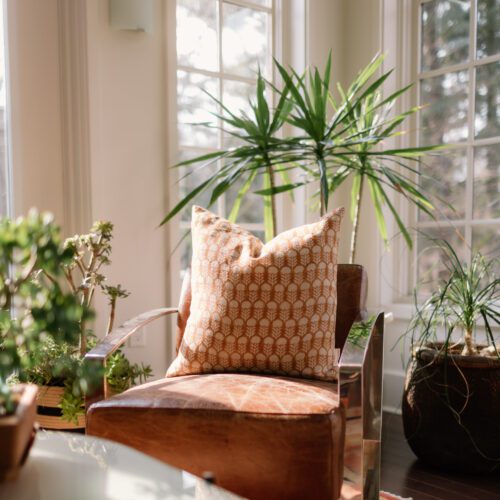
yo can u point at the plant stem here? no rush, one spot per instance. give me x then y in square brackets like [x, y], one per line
[83, 335]
[272, 184]
[355, 222]
[469, 348]
[111, 319]
[322, 168]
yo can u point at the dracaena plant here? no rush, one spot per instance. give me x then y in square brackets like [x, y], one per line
[336, 139]
[469, 294]
[260, 157]
[372, 165]
[353, 144]
[33, 309]
[325, 137]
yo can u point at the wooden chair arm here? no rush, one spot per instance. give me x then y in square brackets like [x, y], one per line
[109, 344]
[360, 390]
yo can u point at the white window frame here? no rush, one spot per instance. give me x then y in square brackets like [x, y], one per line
[221, 76]
[402, 29]
[469, 145]
[176, 226]
[7, 116]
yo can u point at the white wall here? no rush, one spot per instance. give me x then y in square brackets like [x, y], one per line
[35, 127]
[128, 151]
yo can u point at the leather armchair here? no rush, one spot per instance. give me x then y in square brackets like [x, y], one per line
[263, 437]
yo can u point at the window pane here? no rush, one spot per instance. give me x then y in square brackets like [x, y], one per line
[431, 263]
[252, 205]
[236, 98]
[485, 240]
[444, 117]
[197, 33]
[443, 178]
[195, 106]
[198, 173]
[487, 182]
[487, 121]
[244, 40]
[488, 27]
[445, 33]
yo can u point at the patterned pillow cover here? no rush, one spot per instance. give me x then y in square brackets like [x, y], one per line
[267, 308]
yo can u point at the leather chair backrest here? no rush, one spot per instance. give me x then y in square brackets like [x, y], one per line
[352, 286]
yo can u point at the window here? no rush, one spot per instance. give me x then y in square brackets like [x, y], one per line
[221, 44]
[459, 82]
[4, 177]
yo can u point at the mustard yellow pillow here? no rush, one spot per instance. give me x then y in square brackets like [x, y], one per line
[267, 308]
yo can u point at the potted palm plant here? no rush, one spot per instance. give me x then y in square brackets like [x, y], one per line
[60, 370]
[31, 311]
[336, 140]
[451, 401]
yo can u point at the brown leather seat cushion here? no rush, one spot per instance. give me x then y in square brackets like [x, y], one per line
[262, 436]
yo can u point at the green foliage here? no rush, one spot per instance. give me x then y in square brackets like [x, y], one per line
[260, 155]
[360, 331]
[33, 309]
[121, 374]
[372, 121]
[337, 138]
[61, 362]
[470, 294]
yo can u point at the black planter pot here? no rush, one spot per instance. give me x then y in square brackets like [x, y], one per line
[451, 411]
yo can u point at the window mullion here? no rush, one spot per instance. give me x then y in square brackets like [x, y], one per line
[221, 205]
[469, 185]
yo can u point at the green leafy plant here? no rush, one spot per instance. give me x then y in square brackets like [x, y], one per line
[351, 144]
[337, 138]
[62, 363]
[371, 122]
[33, 310]
[260, 155]
[470, 294]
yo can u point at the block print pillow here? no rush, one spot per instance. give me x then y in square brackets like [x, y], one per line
[266, 308]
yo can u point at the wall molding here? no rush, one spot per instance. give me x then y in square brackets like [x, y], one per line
[77, 197]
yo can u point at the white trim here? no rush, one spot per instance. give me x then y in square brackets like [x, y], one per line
[9, 184]
[455, 68]
[75, 115]
[397, 31]
[173, 282]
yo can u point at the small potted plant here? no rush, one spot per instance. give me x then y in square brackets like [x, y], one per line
[451, 401]
[60, 371]
[31, 312]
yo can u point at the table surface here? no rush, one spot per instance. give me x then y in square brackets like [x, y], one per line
[71, 466]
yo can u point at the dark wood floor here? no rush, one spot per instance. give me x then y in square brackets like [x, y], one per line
[404, 475]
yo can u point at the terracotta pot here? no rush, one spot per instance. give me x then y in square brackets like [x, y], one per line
[49, 413]
[17, 432]
[451, 411]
